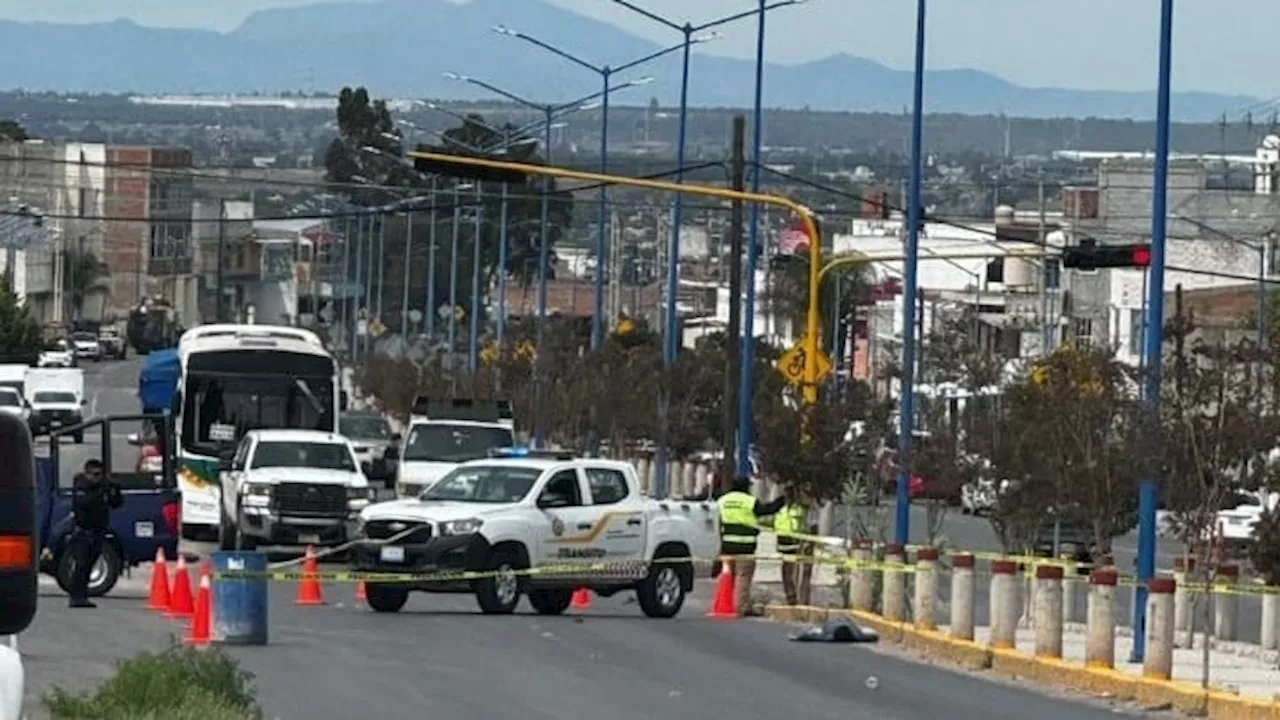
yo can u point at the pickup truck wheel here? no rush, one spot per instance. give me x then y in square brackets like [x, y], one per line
[102, 578]
[661, 593]
[386, 598]
[551, 602]
[499, 593]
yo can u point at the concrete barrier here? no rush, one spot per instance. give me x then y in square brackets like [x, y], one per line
[1048, 611]
[1183, 567]
[1226, 605]
[1100, 623]
[1158, 661]
[1005, 608]
[893, 597]
[861, 585]
[926, 599]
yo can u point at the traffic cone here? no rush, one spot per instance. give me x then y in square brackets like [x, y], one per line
[722, 605]
[362, 593]
[198, 633]
[309, 588]
[159, 597]
[581, 599]
[180, 602]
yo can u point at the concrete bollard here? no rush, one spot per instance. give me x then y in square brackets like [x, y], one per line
[962, 597]
[1100, 624]
[1048, 611]
[1070, 586]
[1270, 616]
[892, 599]
[926, 600]
[861, 585]
[1005, 608]
[1158, 663]
[1182, 569]
[1226, 605]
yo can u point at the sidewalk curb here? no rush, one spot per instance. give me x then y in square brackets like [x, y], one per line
[1214, 704]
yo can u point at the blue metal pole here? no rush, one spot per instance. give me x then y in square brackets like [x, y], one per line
[544, 257]
[1154, 336]
[670, 330]
[362, 292]
[429, 307]
[347, 317]
[368, 292]
[745, 379]
[502, 267]
[473, 351]
[453, 276]
[906, 388]
[597, 317]
[382, 266]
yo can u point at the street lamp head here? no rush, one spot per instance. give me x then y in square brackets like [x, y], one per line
[452, 76]
[638, 81]
[587, 106]
[705, 38]
[504, 30]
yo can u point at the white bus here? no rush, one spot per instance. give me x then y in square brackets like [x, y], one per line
[236, 378]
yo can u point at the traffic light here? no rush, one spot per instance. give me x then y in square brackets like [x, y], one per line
[18, 541]
[1089, 255]
[451, 164]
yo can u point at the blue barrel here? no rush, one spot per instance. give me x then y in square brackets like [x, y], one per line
[240, 603]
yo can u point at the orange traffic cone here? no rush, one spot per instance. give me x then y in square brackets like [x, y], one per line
[180, 603]
[159, 597]
[198, 633]
[722, 606]
[309, 588]
[581, 599]
[362, 593]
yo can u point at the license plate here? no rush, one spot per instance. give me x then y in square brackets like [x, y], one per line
[144, 529]
[392, 554]
[306, 539]
[1235, 521]
[55, 423]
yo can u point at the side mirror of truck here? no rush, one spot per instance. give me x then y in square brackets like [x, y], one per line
[392, 453]
[133, 439]
[226, 464]
[395, 438]
[552, 500]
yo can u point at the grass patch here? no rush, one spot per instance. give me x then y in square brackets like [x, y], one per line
[179, 683]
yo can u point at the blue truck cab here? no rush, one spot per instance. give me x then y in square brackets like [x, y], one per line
[148, 519]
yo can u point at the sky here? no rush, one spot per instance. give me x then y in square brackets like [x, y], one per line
[1220, 45]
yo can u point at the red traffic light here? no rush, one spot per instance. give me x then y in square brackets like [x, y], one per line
[1140, 256]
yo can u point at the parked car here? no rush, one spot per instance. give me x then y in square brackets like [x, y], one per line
[112, 343]
[86, 347]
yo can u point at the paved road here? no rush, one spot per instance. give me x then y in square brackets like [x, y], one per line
[111, 388]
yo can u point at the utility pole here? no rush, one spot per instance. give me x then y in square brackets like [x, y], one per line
[220, 307]
[732, 347]
[1046, 333]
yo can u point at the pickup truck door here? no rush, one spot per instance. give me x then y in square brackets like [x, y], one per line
[618, 510]
[566, 530]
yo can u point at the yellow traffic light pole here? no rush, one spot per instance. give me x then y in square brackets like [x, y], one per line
[803, 213]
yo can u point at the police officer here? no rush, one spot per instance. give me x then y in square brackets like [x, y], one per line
[790, 522]
[93, 499]
[740, 512]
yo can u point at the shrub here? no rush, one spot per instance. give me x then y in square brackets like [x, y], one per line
[179, 683]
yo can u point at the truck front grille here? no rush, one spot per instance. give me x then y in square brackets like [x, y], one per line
[409, 533]
[308, 499]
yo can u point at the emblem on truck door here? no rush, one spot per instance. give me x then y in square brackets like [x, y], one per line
[557, 527]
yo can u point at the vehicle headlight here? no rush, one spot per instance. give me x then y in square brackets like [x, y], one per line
[257, 489]
[359, 493]
[461, 527]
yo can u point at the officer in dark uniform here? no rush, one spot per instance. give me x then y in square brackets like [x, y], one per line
[93, 499]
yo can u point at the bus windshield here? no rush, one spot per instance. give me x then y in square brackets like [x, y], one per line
[218, 409]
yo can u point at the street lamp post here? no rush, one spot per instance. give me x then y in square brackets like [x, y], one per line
[1153, 339]
[670, 339]
[605, 72]
[907, 383]
[473, 330]
[549, 111]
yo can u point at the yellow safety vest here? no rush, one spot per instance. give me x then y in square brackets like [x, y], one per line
[738, 522]
[788, 524]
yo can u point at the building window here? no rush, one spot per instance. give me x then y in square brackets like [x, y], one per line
[1137, 330]
[1082, 332]
[1053, 273]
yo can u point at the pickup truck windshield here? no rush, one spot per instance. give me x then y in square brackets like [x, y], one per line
[52, 396]
[484, 485]
[365, 427]
[444, 442]
[321, 456]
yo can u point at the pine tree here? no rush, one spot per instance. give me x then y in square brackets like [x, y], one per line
[20, 337]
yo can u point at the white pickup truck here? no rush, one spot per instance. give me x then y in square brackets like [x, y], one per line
[541, 524]
[290, 487]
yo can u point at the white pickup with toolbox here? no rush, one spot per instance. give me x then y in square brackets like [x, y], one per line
[537, 524]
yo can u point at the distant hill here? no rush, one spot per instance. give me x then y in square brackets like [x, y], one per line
[401, 47]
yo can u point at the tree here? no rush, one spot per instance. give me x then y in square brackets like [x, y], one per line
[12, 131]
[20, 335]
[82, 273]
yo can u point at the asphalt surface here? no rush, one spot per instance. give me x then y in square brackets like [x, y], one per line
[441, 658]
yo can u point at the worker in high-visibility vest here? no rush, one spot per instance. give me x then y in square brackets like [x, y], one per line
[740, 514]
[790, 524]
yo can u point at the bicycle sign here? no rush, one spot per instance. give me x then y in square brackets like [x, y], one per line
[793, 361]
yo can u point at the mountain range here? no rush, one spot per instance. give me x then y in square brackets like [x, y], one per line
[401, 48]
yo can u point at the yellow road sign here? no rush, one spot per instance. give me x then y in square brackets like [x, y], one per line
[793, 361]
